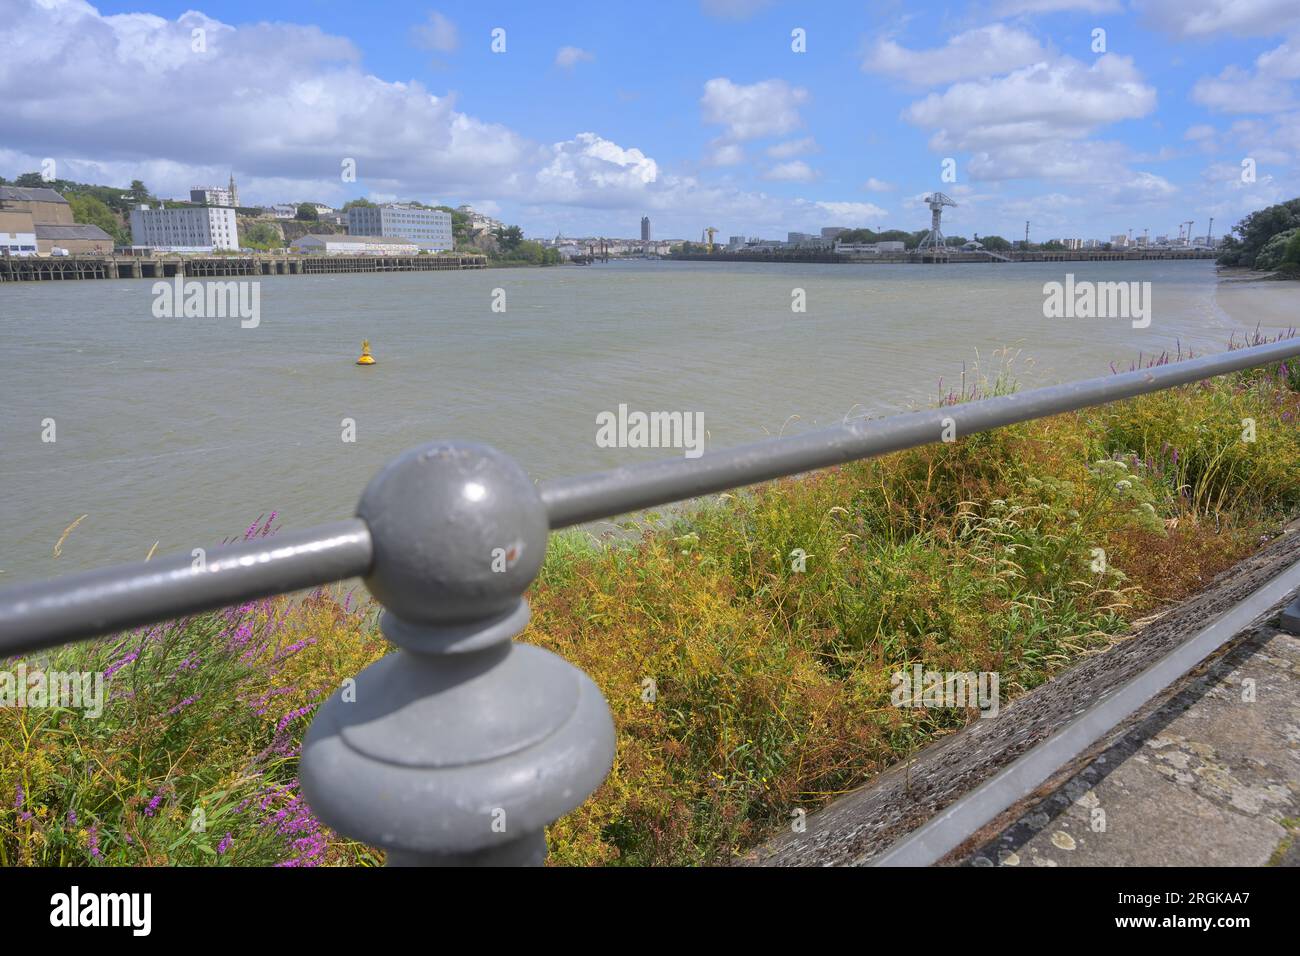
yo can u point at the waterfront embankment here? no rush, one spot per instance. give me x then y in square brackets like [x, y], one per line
[62, 268]
[953, 257]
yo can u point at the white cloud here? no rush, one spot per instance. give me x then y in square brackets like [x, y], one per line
[1203, 18]
[1240, 91]
[768, 108]
[1056, 101]
[570, 56]
[795, 171]
[594, 170]
[1266, 89]
[985, 51]
[438, 33]
[793, 147]
[849, 213]
[724, 154]
[275, 101]
[1282, 63]
[877, 185]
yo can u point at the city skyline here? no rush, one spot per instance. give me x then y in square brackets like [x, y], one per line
[577, 128]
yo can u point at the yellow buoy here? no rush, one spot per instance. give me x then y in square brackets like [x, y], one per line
[366, 357]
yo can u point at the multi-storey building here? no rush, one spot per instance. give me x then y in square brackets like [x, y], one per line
[430, 229]
[192, 229]
[216, 195]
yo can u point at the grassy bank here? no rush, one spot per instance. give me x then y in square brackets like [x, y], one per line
[743, 687]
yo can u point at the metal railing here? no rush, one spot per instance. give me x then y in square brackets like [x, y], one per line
[464, 745]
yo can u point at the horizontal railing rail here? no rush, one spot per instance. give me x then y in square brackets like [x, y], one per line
[464, 745]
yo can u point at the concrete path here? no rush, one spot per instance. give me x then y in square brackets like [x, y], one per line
[1212, 778]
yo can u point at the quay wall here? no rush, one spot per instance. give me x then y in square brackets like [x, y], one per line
[1068, 255]
[51, 269]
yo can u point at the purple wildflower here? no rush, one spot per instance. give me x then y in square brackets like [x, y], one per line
[118, 665]
[292, 716]
[183, 704]
[225, 843]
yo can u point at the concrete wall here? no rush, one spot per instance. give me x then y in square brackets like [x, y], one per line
[43, 213]
[76, 246]
[17, 234]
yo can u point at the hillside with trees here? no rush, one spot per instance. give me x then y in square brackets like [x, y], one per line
[1267, 240]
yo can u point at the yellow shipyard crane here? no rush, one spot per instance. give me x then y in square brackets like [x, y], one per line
[709, 231]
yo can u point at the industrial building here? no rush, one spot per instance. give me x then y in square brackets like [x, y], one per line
[17, 234]
[42, 218]
[187, 229]
[429, 229]
[350, 245]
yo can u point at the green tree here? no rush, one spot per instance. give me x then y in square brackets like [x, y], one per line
[261, 235]
[508, 238]
[459, 226]
[94, 212]
[995, 243]
[1292, 256]
[1054, 245]
[1274, 252]
[307, 211]
[1254, 232]
[357, 202]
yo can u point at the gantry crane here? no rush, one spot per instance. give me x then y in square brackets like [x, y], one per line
[934, 238]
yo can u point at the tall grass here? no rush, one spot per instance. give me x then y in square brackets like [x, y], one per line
[744, 688]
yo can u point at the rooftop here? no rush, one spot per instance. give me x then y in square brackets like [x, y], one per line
[78, 231]
[22, 194]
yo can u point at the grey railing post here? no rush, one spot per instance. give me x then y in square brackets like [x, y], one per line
[461, 747]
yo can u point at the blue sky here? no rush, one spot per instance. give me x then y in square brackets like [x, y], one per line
[695, 112]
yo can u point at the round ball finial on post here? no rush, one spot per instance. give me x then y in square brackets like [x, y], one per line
[460, 748]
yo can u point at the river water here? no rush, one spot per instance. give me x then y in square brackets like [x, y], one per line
[181, 431]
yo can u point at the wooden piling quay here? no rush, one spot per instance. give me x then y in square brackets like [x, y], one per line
[65, 268]
[951, 256]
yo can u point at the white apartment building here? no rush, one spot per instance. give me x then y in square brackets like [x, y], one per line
[185, 230]
[211, 195]
[428, 228]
